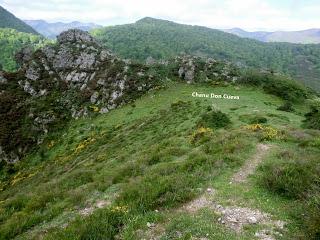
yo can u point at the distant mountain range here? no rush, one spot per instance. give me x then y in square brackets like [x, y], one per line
[8, 20]
[304, 36]
[51, 30]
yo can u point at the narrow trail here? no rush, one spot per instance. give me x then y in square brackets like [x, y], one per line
[234, 217]
[250, 166]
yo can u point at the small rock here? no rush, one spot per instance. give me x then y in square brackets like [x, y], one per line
[233, 220]
[252, 220]
[150, 225]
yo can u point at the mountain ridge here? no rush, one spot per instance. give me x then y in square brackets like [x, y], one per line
[8, 20]
[308, 36]
[51, 30]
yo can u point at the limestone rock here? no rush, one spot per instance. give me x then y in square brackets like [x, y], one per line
[75, 36]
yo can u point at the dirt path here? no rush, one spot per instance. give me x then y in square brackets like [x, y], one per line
[236, 217]
[250, 166]
[233, 217]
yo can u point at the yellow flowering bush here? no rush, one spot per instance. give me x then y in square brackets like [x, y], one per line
[84, 144]
[21, 176]
[200, 133]
[121, 209]
[270, 133]
[267, 132]
[94, 108]
[51, 144]
[254, 127]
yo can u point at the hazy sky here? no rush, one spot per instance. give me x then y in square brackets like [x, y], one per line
[247, 14]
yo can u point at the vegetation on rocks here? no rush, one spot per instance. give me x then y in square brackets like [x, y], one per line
[163, 39]
[8, 20]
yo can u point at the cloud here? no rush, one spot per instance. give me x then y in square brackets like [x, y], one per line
[247, 14]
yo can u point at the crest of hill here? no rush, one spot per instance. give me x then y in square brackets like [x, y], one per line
[8, 20]
[162, 39]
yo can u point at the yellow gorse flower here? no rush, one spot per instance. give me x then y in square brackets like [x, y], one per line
[84, 144]
[122, 209]
[94, 108]
[268, 133]
[200, 132]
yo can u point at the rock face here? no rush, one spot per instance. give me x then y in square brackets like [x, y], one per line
[195, 69]
[72, 79]
[75, 36]
[76, 78]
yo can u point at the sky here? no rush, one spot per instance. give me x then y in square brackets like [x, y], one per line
[250, 15]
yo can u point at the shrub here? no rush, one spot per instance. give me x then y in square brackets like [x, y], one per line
[286, 107]
[288, 178]
[277, 85]
[200, 133]
[253, 119]
[312, 119]
[296, 176]
[266, 133]
[214, 119]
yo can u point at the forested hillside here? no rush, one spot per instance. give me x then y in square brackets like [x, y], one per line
[8, 20]
[162, 39]
[12, 41]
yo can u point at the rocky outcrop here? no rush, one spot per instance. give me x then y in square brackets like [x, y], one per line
[77, 77]
[196, 69]
[74, 78]
[75, 36]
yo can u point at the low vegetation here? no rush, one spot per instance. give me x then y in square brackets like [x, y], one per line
[146, 159]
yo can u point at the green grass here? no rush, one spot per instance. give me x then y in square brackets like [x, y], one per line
[143, 158]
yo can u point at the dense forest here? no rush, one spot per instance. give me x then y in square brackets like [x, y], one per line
[162, 39]
[12, 41]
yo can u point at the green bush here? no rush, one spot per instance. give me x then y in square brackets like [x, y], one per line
[214, 119]
[292, 179]
[286, 107]
[296, 176]
[312, 119]
[253, 118]
[277, 85]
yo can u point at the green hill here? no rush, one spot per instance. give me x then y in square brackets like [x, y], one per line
[162, 39]
[8, 20]
[12, 41]
[96, 147]
[133, 173]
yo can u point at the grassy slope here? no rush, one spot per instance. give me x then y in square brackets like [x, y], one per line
[140, 157]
